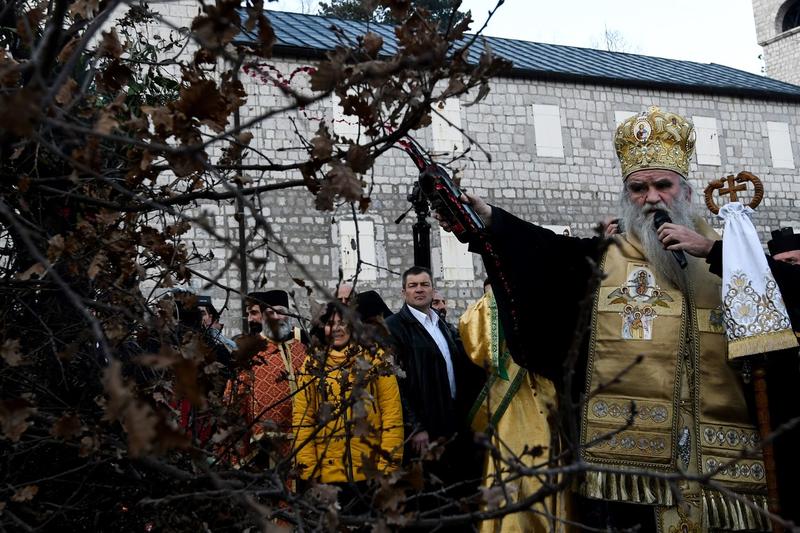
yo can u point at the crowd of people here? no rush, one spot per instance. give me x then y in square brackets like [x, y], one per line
[659, 408]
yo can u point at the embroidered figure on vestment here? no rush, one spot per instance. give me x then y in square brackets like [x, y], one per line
[641, 296]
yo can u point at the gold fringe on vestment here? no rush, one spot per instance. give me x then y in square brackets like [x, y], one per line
[739, 512]
[735, 513]
[766, 342]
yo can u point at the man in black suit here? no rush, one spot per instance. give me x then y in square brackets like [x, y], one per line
[440, 383]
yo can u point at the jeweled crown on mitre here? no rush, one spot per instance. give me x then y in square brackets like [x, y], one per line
[655, 139]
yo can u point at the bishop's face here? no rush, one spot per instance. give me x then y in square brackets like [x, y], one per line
[654, 188]
[418, 291]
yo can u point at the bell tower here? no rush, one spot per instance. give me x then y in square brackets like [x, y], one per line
[778, 32]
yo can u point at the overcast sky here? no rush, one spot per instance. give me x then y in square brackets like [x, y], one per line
[706, 31]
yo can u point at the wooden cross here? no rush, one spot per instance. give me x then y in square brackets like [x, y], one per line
[731, 188]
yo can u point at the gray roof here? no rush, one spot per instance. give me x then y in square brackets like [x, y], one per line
[310, 36]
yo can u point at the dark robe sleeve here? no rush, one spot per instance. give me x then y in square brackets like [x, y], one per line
[546, 277]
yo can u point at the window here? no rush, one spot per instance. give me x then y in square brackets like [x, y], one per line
[791, 19]
[780, 146]
[447, 139]
[348, 247]
[707, 146]
[456, 258]
[622, 116]
[547, 129]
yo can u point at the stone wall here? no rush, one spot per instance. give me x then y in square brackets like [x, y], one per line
[782, 57]
[781, 49]
[576, 190]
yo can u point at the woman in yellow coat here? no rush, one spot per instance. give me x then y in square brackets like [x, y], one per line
[347, 415]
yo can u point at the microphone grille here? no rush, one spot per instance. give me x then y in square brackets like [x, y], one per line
[661, 217]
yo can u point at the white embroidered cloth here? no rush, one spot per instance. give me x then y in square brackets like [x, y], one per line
[756, 320]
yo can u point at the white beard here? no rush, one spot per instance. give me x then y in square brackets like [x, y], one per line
[278, 331]
[639, 222]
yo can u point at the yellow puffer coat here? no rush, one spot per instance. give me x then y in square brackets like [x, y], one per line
[372, 423]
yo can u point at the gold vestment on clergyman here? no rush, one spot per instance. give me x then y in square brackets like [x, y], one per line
[682, 408]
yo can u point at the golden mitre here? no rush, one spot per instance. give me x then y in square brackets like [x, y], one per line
[655, 139]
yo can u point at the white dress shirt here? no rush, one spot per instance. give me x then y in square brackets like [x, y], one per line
[430, 321]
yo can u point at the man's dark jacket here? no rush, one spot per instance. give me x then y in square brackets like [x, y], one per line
[425, 391]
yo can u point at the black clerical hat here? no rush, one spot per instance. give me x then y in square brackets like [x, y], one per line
[205, 301]
[784, 240]
[271, 298]
[370, 305]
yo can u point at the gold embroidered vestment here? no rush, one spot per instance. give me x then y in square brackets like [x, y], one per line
[685, 403]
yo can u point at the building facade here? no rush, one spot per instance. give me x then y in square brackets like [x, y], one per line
[548, 125]
[778, 32]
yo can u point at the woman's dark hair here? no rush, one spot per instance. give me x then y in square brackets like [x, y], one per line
[332, 309]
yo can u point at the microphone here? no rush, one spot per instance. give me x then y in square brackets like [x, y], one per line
[661, 218]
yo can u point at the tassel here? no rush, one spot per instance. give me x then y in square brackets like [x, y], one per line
[612, 487]
[635, 496]
[740, 515]
[668, 496]
[623, 488]
[765, 517]
[715, 519]
[728, 520]
[705, 512]
[749, 519]
[649, 497]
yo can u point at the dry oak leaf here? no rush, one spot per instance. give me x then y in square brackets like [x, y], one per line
[321, 146]
[9, 70]
[113, 77]
[359, 158]
[14, 417]
[106, 123]
[162, 118]
[327, 76]
[96, 265]
[493, 497]
[66, 92]
[84, 8]
[140, 424]
[110, 46]
[119, 393]
[344, 182]
[55, 247]
[10, 352]
[233, 152]
[27, 25]
[88, 446]
[262, 45]
[373, 44]
[25, 494]
[203, 101]
[68, 49]
[67, 427]
[219, 25]
[36, 269]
